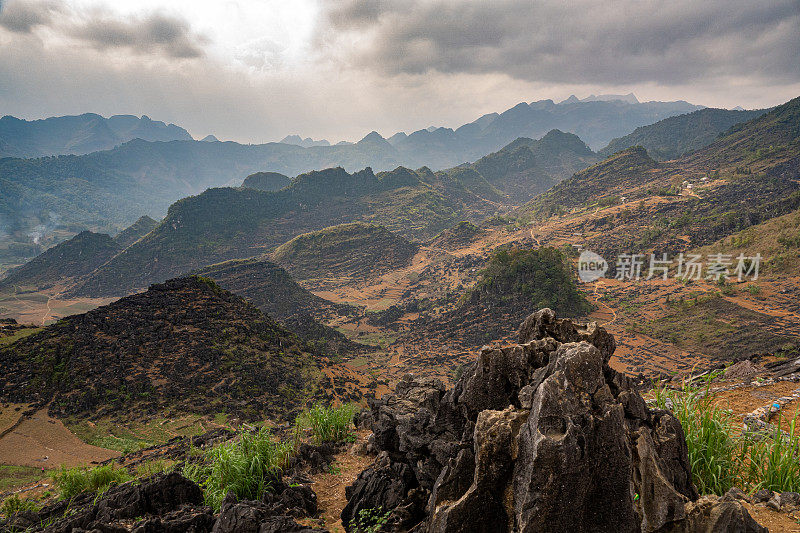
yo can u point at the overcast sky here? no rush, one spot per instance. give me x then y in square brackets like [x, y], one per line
[256, 70]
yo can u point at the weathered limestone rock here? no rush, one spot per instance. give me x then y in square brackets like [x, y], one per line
[541, 436]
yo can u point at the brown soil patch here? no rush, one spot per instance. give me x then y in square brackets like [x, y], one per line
[45, 307]
[747, 399]
[42, 441]
[330, 487]
[774, 521]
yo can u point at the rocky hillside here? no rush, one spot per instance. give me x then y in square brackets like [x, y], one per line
[266, 181]
[270, 288]
[135, 231]
[621, 172]
[632, 203]
[355, 250]
[71, 259]
[527, 167]
[183, 346]
[273, 290]
[675, 136]
[513, 283]
[228, 223]
[538, 436]
[458, 236]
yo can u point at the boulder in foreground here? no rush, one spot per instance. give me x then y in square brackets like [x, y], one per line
[540, 436]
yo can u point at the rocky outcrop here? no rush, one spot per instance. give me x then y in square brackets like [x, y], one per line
[171, 495]
[170, 503]
[540, 436]
[271, 515]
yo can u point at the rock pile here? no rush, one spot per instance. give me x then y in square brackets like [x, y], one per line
[540, 436]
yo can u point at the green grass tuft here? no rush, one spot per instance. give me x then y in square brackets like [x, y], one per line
[15, 504]
[369, 520]
[73, 481]
[246, 467]
[721, 456]
[328, 424]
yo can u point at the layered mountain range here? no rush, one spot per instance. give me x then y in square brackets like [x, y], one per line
[80, 134]
[138, 166]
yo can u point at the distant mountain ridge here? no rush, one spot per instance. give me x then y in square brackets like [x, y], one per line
[224, 223]
[596, 120]
[80, 134]
[675, 136]
[305, 143]
[107, 190]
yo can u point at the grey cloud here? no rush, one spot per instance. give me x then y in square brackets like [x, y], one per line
[103, 29]
[623, 42]
[22, 17]
[154, 32]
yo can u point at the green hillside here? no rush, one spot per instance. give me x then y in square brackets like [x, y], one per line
[135, 231]
[526, 167]
[675, 136]
[355, 250]
[266, 181]
[532, 279]
[70, 259]
[108, 190]
[227, 223]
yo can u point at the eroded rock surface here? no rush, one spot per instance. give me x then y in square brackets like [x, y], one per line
[540, 436]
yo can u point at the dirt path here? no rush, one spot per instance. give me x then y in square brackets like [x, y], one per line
[608, 308]
[330, 486]
[535, 239]
[47, 313]
[397, 353]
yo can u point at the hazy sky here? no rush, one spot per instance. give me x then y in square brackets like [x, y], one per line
[256, 70]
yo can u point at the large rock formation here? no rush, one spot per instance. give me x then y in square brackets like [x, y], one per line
[540, 436]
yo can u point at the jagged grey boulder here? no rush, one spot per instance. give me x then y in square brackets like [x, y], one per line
[540, 436]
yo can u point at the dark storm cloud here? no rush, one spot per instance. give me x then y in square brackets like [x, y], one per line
[620, 42]
[22, 17]
[102, 29]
